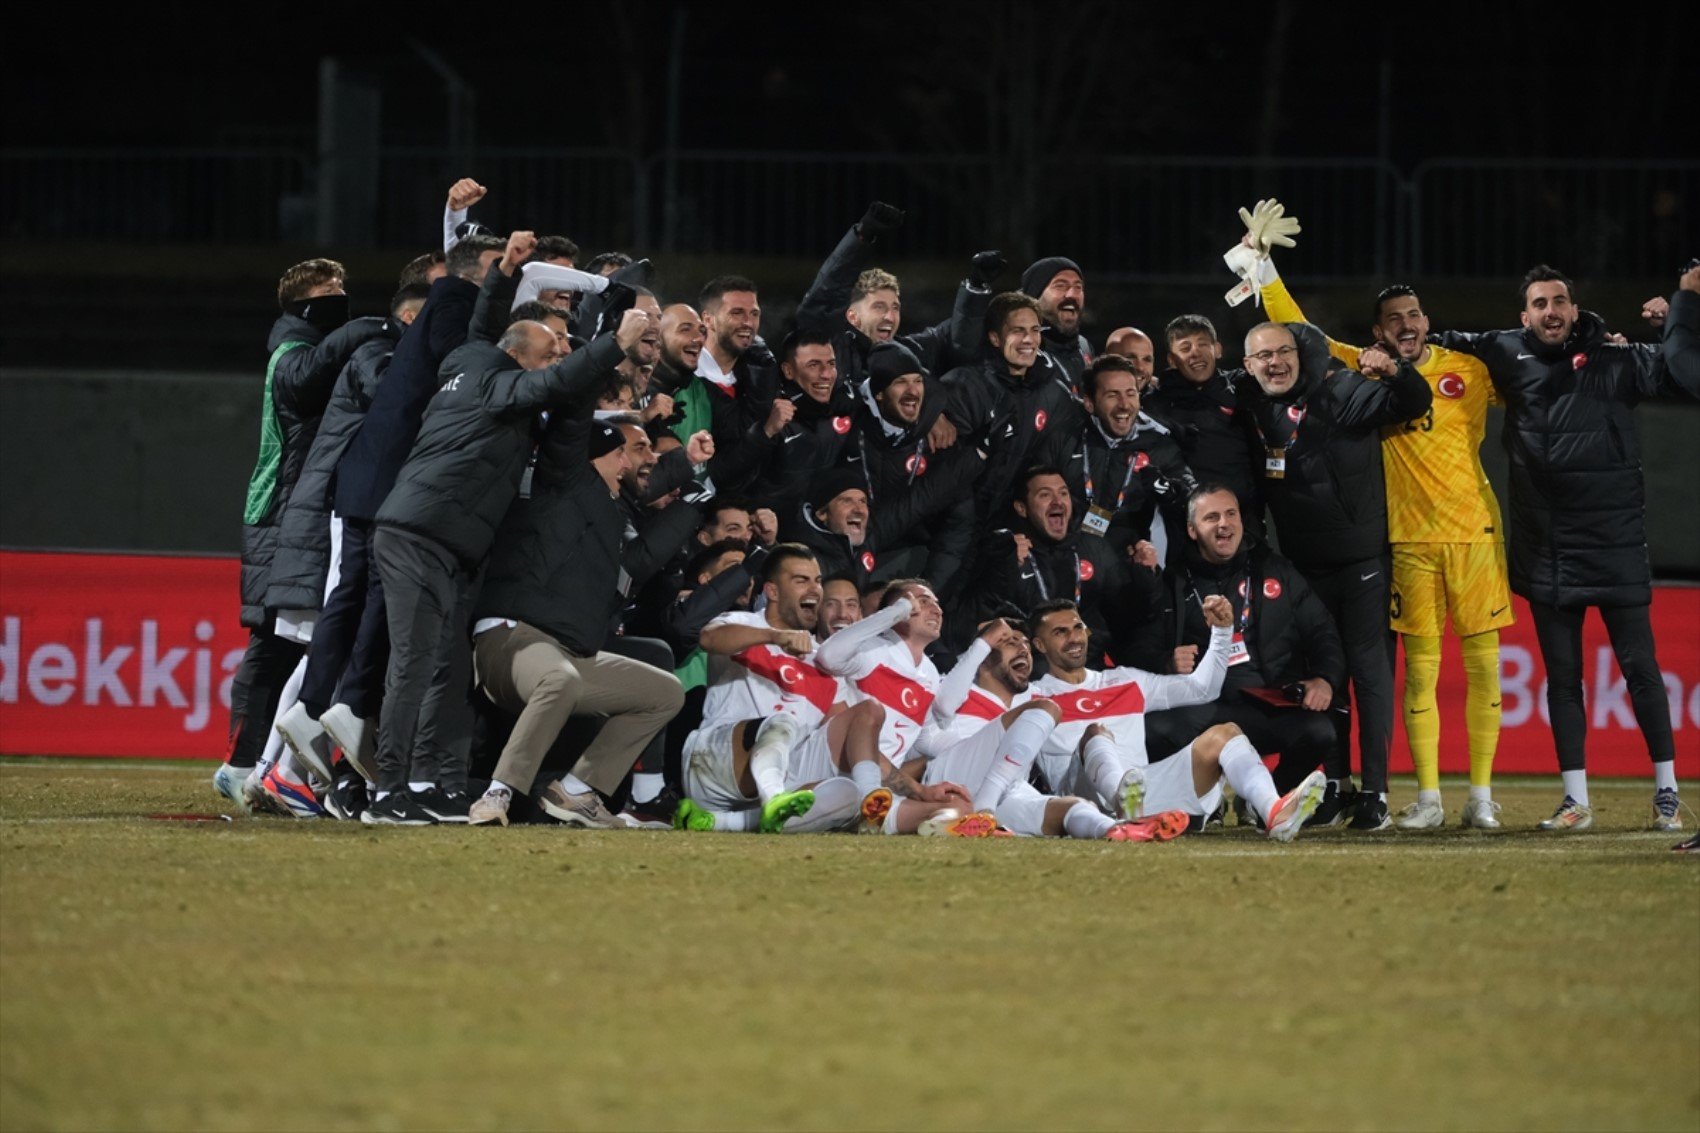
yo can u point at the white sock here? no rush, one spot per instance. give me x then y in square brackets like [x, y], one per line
[738, 821]
[1483, 793]
[1021, 744]
[421, 786]
[1664, 775]
[1428, 796]
[573, 785]
[769, 754]
[646, 786]
[380, 796]
[496, 784]
[1104, 768]
[889, 826]
[1576, 785]
[1248, 777]
[1084, 820]
[866, 776]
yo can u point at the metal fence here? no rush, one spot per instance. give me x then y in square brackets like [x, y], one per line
[1136, 219]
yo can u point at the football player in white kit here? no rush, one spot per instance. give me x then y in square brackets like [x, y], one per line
[775, 734]
[986, 729]
[1112, 766]
[884, 659]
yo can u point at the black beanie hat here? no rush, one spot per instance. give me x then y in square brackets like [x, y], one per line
[605, 438]
[835, 483]
[1037, 277]
[887, 362]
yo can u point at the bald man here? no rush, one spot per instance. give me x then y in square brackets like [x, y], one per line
[1136, 346]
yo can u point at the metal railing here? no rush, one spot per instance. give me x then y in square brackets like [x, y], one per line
[1134, 219]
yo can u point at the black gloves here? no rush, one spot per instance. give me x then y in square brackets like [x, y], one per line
[987, 268]
[878, 220]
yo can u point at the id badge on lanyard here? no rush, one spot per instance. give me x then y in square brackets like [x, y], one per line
[1096, 520]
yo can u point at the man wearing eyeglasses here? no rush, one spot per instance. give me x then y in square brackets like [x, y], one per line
[1318, 425]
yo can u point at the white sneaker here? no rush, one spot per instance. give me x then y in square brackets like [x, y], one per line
[1480, 814]
[307, 740]
[356, 737]
[227, 781]
[1422, 815]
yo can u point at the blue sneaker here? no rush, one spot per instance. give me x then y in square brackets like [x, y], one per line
[294, 797]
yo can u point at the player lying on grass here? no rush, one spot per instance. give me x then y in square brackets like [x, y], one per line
[1110, 763]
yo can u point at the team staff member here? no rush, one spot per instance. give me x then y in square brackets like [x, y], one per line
[1318, 424]
[1578, 532]
[1447, 539]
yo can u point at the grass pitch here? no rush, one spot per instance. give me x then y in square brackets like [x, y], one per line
[271, 974]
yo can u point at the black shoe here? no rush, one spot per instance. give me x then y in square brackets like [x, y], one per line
[1370, 813]
[657, 812]
[347, 799]
[398, 808]
[1336, 806]
[444, 806]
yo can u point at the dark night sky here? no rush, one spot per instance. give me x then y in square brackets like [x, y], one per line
[1505, 79]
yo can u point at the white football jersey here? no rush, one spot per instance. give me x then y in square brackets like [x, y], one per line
[763, 681]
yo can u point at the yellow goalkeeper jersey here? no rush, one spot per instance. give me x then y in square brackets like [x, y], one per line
[1437, 491]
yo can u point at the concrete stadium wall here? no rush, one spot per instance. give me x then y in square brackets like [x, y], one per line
[159, 461]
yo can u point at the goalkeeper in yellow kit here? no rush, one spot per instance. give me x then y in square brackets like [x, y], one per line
[1443, 523]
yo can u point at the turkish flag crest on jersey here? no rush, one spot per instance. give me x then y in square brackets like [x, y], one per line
[981, 706]
[897, 692]
[1101, 703]
[794, 676]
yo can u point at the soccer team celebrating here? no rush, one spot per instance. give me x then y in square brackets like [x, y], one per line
[541, 545]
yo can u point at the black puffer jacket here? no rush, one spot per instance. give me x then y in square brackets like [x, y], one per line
[1330, 504]
[1131, 477]
[304, 540]
[303, 368]
[1214, 441]
[1072, 352]
[1289, 635]
[476, 436]
[818, 439]
[1578, 530]
[556, 562]
[1016, 422]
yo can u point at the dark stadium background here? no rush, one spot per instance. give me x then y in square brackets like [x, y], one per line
[145, 218]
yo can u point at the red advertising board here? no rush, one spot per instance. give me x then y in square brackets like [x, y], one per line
[131, 655]
[117, 654]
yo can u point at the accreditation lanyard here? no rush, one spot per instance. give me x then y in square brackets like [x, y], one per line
[1275, 455]
[1238, 652]
[1097, 518]
[1039, 579]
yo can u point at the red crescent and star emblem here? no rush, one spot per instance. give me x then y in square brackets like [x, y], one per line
[916, 465]
[1578, 361]
[1271, 588]
[908, 699]
[1450, 386]
[1087, 570]
[788, 675]
[841, 425]
[1087, 704]
[1141, 461]
[1040, 419]
[867, 560]
[1295, 413]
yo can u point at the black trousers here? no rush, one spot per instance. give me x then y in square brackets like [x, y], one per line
[1357, 597]
[425, 728]
[1559, 630]
[255, 689]
[338, 627]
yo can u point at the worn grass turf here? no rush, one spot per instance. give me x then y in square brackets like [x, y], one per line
[276, 974]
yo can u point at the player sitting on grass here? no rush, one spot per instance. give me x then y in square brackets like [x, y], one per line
[1113, 763]
[985, 730]
[884, 658]
[773, 725]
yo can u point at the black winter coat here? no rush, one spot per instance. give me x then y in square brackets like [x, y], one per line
[475, 439]
[367, 470]
[1072, 352]
[1213, 440]
[1289, 634]
[1578, 530]
[304, 540]
[1131, 477]
[1016, 422]
[1330, 503]
[301, 379]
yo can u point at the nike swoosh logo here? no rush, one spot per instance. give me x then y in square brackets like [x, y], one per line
[1497, 612]
[1495, 704]
[1367, 577]
[1524, 357]
[789, 437]
[1418, 711]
